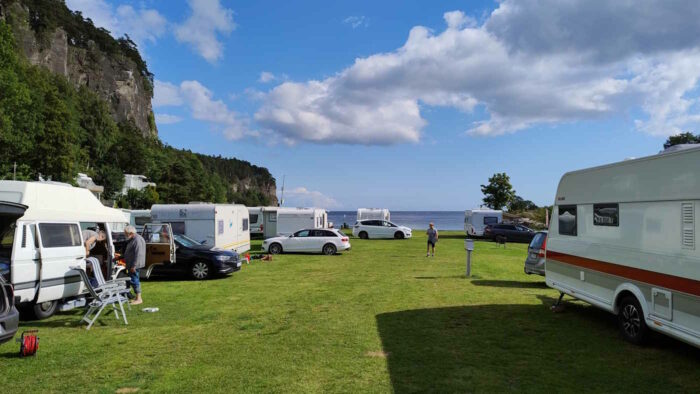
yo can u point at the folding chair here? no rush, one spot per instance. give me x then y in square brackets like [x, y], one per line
[102, 296]
[99, 278]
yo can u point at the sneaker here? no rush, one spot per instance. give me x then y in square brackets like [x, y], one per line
[427, 255]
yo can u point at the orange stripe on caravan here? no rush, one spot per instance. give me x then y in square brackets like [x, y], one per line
[684, 285]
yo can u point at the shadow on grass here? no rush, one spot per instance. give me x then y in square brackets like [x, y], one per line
[441, 277]
[495, 348]
[511, 284]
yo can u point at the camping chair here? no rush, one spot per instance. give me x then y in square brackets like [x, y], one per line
[123, 289]
[102, 296]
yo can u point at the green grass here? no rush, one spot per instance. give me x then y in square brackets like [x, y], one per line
[378, 318]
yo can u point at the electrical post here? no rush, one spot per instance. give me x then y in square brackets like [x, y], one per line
[469, 247]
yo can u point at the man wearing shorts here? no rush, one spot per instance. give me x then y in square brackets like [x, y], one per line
[432, 234]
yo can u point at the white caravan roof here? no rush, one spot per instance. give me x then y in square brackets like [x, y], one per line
[285, 210]
[190, 211]
[666, 176]
[55, 201]
[484, 210]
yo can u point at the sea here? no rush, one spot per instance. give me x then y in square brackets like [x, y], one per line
[419, 220]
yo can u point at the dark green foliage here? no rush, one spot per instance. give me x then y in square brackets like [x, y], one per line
[518, 204]
[499, 192]
[683, 138]
[49, 127]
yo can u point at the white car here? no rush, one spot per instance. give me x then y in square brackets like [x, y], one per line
[379, 229]
[327, 241]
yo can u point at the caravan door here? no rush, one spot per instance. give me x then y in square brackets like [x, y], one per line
[160, 245]
[60, 248]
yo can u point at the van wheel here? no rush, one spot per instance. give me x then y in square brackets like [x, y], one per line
[630, 319]
[200, 270]
[275, 248]
[363, 235]
[329, 249]
[399, 235]
[44, 310]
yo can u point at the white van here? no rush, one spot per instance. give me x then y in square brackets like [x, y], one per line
[476, 220]
[373, 213]
[224, 226]
[286, 221]
[623, 237]
[256, 220]
[42, 225]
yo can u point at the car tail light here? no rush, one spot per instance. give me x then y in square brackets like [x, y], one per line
[345, 239]
[543, 248]
[262, 227]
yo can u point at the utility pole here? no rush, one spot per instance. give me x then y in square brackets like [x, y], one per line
[14, 172]
[281, 202]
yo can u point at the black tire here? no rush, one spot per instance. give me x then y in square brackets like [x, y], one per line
[44, 310]
[200, 270]
[630, 320]
[363, 235]
[329, 249]
[399, 235]
[275, 248]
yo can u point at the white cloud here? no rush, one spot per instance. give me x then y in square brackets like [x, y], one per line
[167, 119]
[201, 30]
[356, 21]
[302, 197]
[142, 25]
[166, 94]
[266, 77]
[529, 63]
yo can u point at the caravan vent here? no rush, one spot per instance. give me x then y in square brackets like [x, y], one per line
[688, 225]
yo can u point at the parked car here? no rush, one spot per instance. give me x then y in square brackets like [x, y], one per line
[326, 241]
[534, 263]
[379, 229]
[9, 317]
[509, 232]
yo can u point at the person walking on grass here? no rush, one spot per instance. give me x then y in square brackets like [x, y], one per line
[432, 234]
[135, 258]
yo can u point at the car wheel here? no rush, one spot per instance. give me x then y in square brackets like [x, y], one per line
[275, 248]
[399, 235]
[363, 235]
[630, 319]
[200, 270]
[329, 249]
[44, 310]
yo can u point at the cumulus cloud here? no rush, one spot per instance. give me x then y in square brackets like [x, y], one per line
[529, 63]
[266, 77]
[142, 25]
[167, 119]
[202, 105]
[356, 21]
[202, 29]
[302, 197]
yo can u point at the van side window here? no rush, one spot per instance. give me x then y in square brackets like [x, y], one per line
[245, 224]
[59, 235]
[254, 218]
[606, 215]
[567, 220]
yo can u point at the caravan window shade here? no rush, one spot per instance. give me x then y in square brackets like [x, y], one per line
[59, 235]
[606, 215]
[245, 224]
[567, 220]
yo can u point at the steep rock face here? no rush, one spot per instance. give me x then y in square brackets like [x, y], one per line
[114, 77]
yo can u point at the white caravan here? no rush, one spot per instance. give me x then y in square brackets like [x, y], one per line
[373, 213]
[41, 226]
[286, 221]
[224, 226]
[623, 237]
[475, 220]
[138, 217]
[256, 220]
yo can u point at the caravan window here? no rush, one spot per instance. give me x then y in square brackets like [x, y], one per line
[59, 235]
[567, 220]
[245, 224]
[606, 215]
[490, 219]
[141, 220]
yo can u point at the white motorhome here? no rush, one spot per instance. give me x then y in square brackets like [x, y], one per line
[373, 213]
[225, 226]
[256, 220]
[41, 226]
[623, 237]
[285, 221]
[475, 220]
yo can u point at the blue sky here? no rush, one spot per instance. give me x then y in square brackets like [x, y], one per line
[358, 105]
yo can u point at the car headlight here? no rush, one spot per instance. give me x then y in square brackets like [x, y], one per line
[222, 257]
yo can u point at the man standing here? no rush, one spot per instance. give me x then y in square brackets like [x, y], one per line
[135, 258]
[432, 234]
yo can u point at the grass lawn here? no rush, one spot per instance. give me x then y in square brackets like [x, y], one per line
[378, 318]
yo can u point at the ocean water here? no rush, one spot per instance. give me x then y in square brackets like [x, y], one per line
[444, 220]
